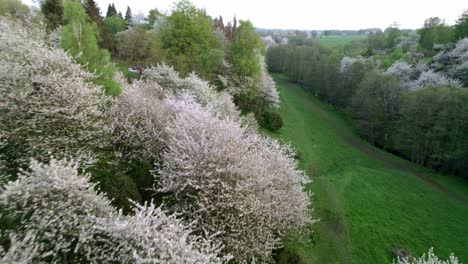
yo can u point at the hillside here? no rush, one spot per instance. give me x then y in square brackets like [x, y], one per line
[368, 201]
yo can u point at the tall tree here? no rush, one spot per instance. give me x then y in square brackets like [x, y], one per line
[128, 15]
[93, 12]
[153, 16]
[245, 49]
[53, 11]
[189, 40]
[79, 38]
[461, 27]
[111, 11]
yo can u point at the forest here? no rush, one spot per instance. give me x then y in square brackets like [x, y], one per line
[165, 138]
[402, 89]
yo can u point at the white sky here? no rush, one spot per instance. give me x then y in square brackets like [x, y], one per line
[318, 14]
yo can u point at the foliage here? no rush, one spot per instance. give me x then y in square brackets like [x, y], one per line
[139, 46]
[47, 103]
[432, 129]
[128, 15]
[245, 49]
[111, 11]
[461, 26]
[79, 38]
[271, 121]
[187, 36]
[112, 26]
[240, 188]
[375, 108]
[367, 200]
[431, 259]
[53, 12]
[434, 32]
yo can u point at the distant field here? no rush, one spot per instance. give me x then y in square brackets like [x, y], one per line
[368, 201]
[335, 42]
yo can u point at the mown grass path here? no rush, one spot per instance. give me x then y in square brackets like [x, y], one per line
[368, 201]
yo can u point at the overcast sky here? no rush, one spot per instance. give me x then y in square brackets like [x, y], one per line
[318, 14]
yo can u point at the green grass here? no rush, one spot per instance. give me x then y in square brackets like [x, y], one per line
[366, 202]
[337, 42]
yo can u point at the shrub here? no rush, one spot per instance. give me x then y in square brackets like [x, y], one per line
[271, 121]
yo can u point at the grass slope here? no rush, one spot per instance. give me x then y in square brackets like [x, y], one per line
[368, 201]
[337, 42]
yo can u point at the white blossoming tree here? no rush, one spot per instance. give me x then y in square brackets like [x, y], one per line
[430, 258]
[432, 79]
[61, 218]
[241, 188]
[268, 90]
[47, 103]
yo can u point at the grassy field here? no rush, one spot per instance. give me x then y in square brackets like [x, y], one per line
[338, 42]
[368, 201]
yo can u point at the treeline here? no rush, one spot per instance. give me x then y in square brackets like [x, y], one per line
[228, 54]
[414, 107]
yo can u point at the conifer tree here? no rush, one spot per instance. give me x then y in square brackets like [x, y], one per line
[53, 11]
[128, 15]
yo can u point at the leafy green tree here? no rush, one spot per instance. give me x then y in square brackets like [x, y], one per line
[79, 37]
[52, 11]
[435, 31]
[153, 16]
[139, 46]
[432, 129]
[112, 26]
[245, 50]
[188, 39]
[375, 107]
[461, 27]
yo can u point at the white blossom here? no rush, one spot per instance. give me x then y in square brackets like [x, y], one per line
[401, 70]
[433, 79]
[47, 103]
[241, 188]
[430, 258]
[137, 120]
[268, 90]
[56, 204]
[60, 213]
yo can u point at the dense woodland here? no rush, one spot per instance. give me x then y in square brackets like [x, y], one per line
[170, 164]
[403, 89]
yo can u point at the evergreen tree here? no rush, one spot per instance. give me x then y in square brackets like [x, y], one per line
[111, 11]
[53, 11]
[93, 12]
[128, 15]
